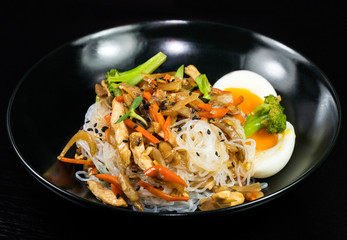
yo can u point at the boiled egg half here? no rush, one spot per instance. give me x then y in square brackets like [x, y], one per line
[273, 151]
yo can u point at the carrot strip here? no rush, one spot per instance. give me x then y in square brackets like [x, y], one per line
[238, 100]
[204, 106]
[161, 194]
[147, 95]
[108, 118]
[76, 161]
[165, 174]
[120, 98]
[158, 117]
[116, 190]
[140, 129]
[113, 180]
[219, 91]
[216, 113]
[166, 129]
[167, 77]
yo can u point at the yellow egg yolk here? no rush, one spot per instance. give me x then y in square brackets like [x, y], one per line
[263, 139]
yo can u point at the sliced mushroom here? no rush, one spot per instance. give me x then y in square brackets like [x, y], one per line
[221, 199]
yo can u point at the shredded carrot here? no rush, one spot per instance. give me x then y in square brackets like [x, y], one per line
[140, 129]
[108, 118]
[161, 194]
[204, 106]
[120, 98]
[116, 190]
[166, 129]
[113, 180]
[165, 174]
[219, 91]
[167, 77]
[214, 113]
[157, 116]
[147, 95]
[76, 161]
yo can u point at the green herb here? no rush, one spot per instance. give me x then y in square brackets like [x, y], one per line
[180, 72]
[131, 113]
[204, 86]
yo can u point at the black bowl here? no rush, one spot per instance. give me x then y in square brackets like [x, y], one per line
[49, 104]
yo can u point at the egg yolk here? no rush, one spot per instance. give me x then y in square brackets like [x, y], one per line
[263, 139]
[250, 100]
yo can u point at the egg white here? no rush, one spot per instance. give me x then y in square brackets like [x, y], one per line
[268, 162]
[247, 80]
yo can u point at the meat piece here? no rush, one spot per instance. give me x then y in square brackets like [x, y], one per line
[106, 195]
[121, 134]
[129, 191]
[138, 149]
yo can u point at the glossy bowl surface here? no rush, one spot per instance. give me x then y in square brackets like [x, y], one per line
[49, 104]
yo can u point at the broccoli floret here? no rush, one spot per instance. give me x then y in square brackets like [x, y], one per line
[133, 77]
[268, 115]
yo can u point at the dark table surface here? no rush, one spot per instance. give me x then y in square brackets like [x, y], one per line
[31, 29]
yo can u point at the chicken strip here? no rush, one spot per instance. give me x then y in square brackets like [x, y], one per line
[138, 149]
[106, 195]
[121, 133]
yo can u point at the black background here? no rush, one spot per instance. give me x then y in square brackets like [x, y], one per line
[29, 30]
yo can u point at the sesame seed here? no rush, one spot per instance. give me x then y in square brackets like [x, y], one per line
[96, 130]
[90, 129]
[190, 93]
[216, 153]
[135, 126]
[125, 141]
[208, 131]
[104, 128]
[95, 124]
[198, 154]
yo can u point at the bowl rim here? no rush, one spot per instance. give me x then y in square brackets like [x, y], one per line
[165, 23]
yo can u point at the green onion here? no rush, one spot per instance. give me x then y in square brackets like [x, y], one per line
[131, 113]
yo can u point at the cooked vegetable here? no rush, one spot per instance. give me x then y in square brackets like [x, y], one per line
[133, 77]
[140, 129]
[76, 161]
[161, 194]
[131, 113]
[204, 86]
[165, 174]
[268, 115]
[151, 138]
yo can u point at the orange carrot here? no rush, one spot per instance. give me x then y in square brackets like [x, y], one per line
[167, 77]
[147, 95]
[76, 161]
[238, 100]
[219, 91]
[108, 118]
[204, 106]
[158, 117]
[117, 189]
[140, 129]
[161, 194]
[120, 98]
[165, 174]
[166, 129]
[214, 113]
